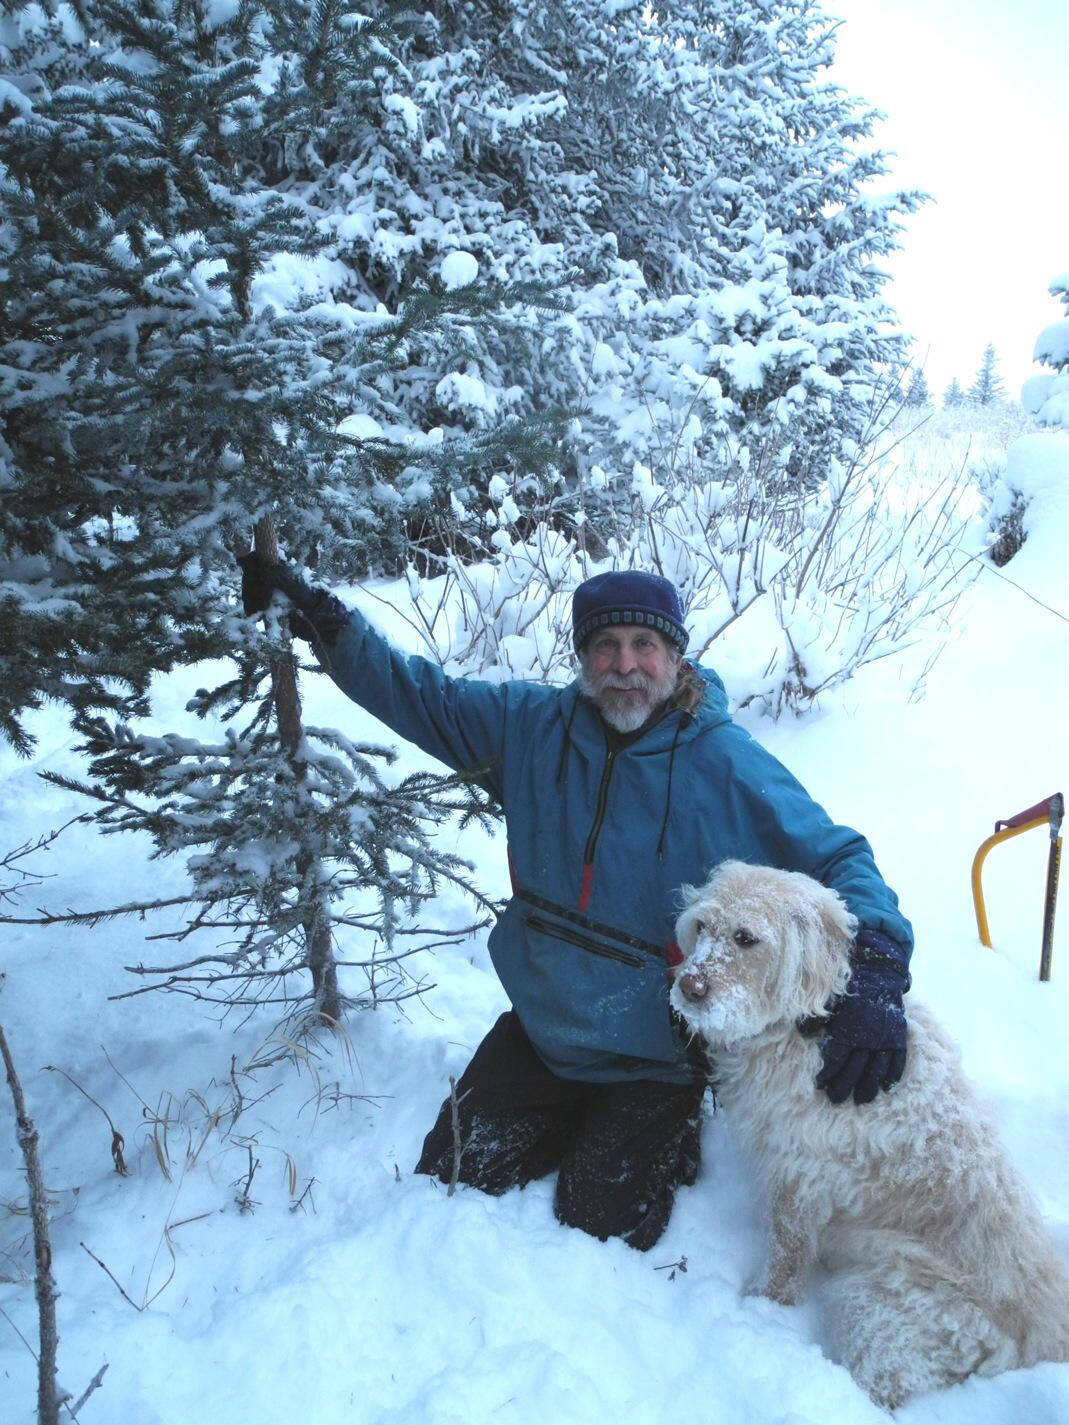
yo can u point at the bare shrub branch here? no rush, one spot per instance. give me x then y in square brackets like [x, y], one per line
[858, 563]
[458, 1145]
[94, 1384]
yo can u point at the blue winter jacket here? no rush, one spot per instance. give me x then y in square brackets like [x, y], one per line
[600, 840]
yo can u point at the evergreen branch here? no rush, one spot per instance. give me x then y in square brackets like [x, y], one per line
[378, 961]
[95, 917]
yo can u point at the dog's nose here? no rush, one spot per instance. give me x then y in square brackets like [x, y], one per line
[694, 985]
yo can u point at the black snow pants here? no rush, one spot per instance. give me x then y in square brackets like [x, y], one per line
[622, 1149]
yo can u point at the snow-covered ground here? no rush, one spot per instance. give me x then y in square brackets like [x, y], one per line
[381, 1299]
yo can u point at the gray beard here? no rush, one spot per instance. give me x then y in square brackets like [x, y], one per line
[627, 714]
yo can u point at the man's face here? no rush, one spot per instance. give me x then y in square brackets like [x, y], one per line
[627, 673]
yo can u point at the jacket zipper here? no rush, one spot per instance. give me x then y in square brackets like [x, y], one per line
[602, 801]
[603, 789]
[561, 932]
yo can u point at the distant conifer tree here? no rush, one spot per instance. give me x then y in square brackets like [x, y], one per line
[987, 386]
[953, 395]
[917, 392]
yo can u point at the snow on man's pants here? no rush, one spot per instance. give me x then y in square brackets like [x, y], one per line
[621, 1148]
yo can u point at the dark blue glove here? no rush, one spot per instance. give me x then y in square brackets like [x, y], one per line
[316, 614]
[863, 1047]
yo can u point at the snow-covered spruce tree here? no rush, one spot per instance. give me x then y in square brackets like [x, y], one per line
[987, 387]
[1035, 459]
[1047, 396]
[206, 381]
[63, 636]
[953, 395]
[917, 393]
[82, 235]
[693, 186]
[386, 185]
[777, 161]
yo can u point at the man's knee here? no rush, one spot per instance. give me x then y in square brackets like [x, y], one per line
[620, 1179]
[497, 1151]
[637, 1213]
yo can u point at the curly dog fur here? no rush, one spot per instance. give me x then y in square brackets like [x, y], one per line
[937, 1262]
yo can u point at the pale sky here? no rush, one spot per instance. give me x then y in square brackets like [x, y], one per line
[976, 94]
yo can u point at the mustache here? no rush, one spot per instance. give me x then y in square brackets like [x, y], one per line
[625, 682]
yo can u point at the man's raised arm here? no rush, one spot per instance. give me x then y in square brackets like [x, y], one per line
[460, 721]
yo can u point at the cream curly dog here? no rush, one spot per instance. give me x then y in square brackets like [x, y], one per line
[937, 1262]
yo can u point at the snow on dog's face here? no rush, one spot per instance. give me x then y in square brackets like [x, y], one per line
[760, 946]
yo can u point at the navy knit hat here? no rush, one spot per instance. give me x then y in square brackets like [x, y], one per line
[626, 597]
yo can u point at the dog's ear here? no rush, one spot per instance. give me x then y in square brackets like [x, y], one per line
[825, 930]
[686, 920]
[837, 921]
[687, 895]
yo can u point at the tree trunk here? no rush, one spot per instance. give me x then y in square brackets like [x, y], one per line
[48, 1398]
[319, 952]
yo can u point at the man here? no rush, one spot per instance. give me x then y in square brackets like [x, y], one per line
[616, 791]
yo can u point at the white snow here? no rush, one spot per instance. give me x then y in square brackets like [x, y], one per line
[401, 104]
[1052, 344]
[14, 97]
[460, 391]
[381, 1300]
[1047, 398]
[291, 276]
[220, 12]
[458, 269]
[604, 362]
[361, 427]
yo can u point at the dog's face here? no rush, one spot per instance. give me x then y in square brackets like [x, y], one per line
[760, 946]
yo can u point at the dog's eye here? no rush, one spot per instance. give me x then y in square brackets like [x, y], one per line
[744, 938]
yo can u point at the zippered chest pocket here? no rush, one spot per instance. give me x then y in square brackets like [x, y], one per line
[583, 942]
[578, 994]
